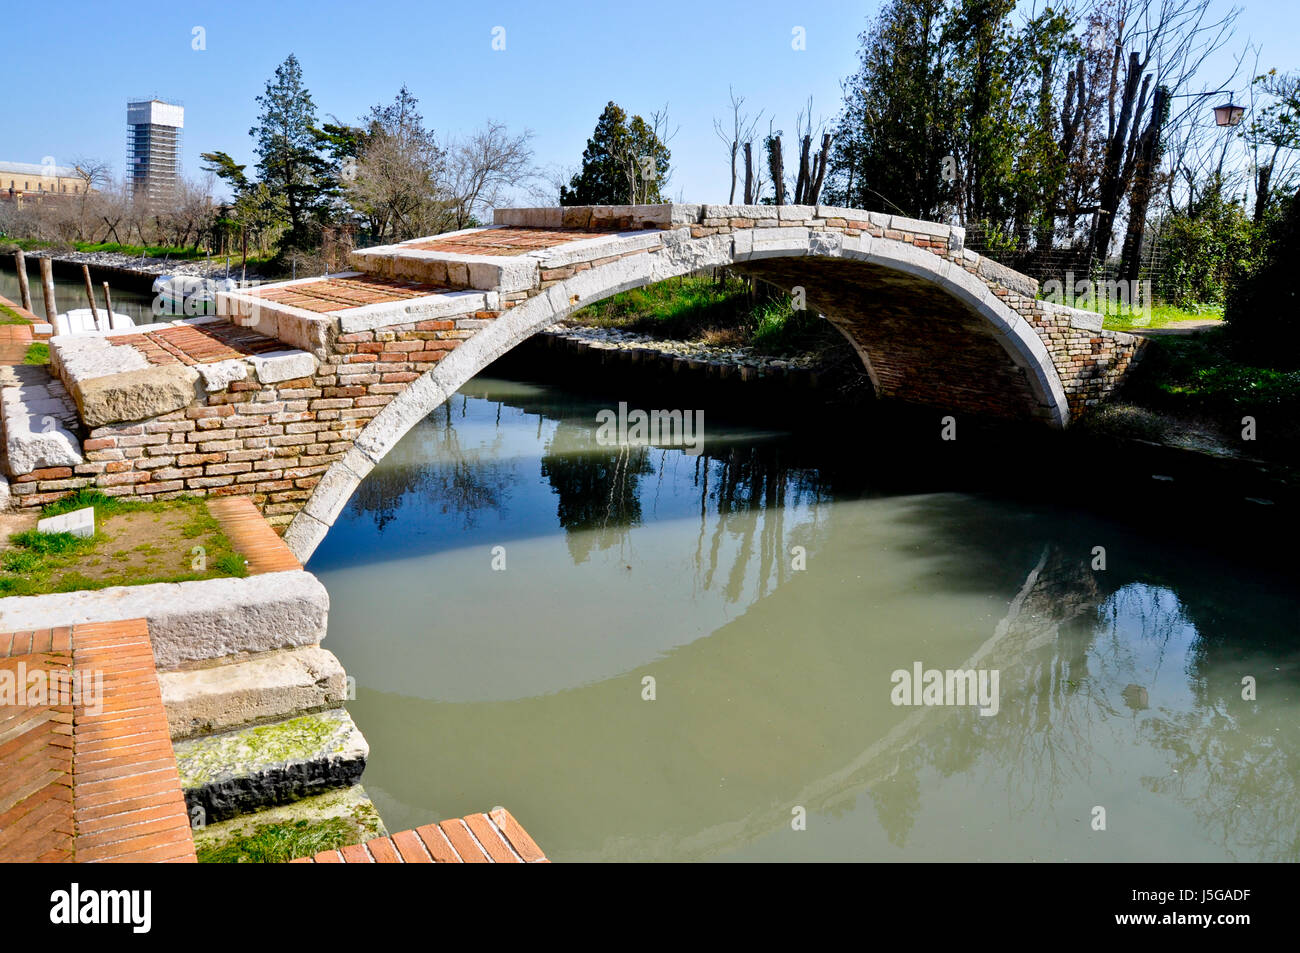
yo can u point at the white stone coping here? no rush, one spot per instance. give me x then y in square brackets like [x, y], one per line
[604, 246]
[447, 304]
[286, 365]
[1080, 318]
[79, 357]
[191, 621]
[34, 431]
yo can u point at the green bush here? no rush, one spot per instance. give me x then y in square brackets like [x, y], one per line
[1204, 248]
[1263, 310]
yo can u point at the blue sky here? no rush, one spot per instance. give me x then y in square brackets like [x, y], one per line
[561, 63]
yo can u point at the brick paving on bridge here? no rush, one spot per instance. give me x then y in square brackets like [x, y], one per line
[495, 837]
[506, 241]
[89, 777]
[192, 344]
[340, 294]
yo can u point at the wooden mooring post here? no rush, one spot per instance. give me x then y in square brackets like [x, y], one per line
[108, 305]
[47, 286]
[23, 291]
[90, 296]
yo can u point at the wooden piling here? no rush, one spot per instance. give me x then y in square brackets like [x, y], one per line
[47, 286]
[24, 292]
[108, 305]
[90, 296]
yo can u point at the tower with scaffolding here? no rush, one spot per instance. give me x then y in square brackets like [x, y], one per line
[153, 148]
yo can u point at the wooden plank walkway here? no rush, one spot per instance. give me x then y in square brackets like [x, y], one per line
[89, 776]
[252, 536]
[495, 837]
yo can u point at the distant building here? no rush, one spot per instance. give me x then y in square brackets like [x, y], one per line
[153, 148]
[26, 181]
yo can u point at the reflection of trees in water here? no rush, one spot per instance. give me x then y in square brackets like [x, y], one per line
[750, 490]
[464, 481]
[1233, 764]
[745, 494]
[1238, 767]
[597, 486]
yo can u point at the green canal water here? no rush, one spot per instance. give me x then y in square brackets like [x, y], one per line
[504, 584]
[70, 294]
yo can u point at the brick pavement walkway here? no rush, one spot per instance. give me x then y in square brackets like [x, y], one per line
[86, 761]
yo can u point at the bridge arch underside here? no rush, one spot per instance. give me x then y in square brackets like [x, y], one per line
[927, 334]
[920, 344]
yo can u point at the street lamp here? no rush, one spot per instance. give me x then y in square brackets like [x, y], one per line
[1229, 113]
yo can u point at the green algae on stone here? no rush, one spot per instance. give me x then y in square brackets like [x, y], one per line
[216, 757]
[280, 834]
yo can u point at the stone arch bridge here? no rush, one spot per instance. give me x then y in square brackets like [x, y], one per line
[299, 388]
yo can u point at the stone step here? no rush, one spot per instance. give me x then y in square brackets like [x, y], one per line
[237, 772]
[239, 692]
[39, 419]
[345, 814]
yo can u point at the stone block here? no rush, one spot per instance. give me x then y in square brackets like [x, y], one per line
[277, 366]
[243, 691]
[241, 771]
[192, 621]
[78, 523]
[135, 395]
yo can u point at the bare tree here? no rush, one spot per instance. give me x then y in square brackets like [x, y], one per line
[483, 168]
[1156, 44]
[741, 132]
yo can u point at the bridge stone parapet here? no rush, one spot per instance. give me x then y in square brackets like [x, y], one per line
[299, 388]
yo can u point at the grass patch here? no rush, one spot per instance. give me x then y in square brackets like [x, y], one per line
[281, 843]
[1201, 371]
[1119, 316]
[1195, 390]
[9, 316]
[38, 352]
[723, 314]
[136, 542]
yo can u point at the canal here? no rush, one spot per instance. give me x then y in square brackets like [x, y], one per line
[70, 293]
[646, 653]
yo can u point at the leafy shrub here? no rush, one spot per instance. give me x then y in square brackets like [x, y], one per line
[1263, 310]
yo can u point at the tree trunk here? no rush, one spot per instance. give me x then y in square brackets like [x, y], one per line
[1111, 189]
[802, 180]
[1140, 198]
[776, 165]
[749, 173]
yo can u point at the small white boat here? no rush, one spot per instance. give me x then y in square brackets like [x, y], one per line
[188, 296]
[81, 321]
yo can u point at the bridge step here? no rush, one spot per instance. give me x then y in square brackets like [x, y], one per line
[39, 419]
[237, 693]
[140, 373]
[345, 814]
[240, 771]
